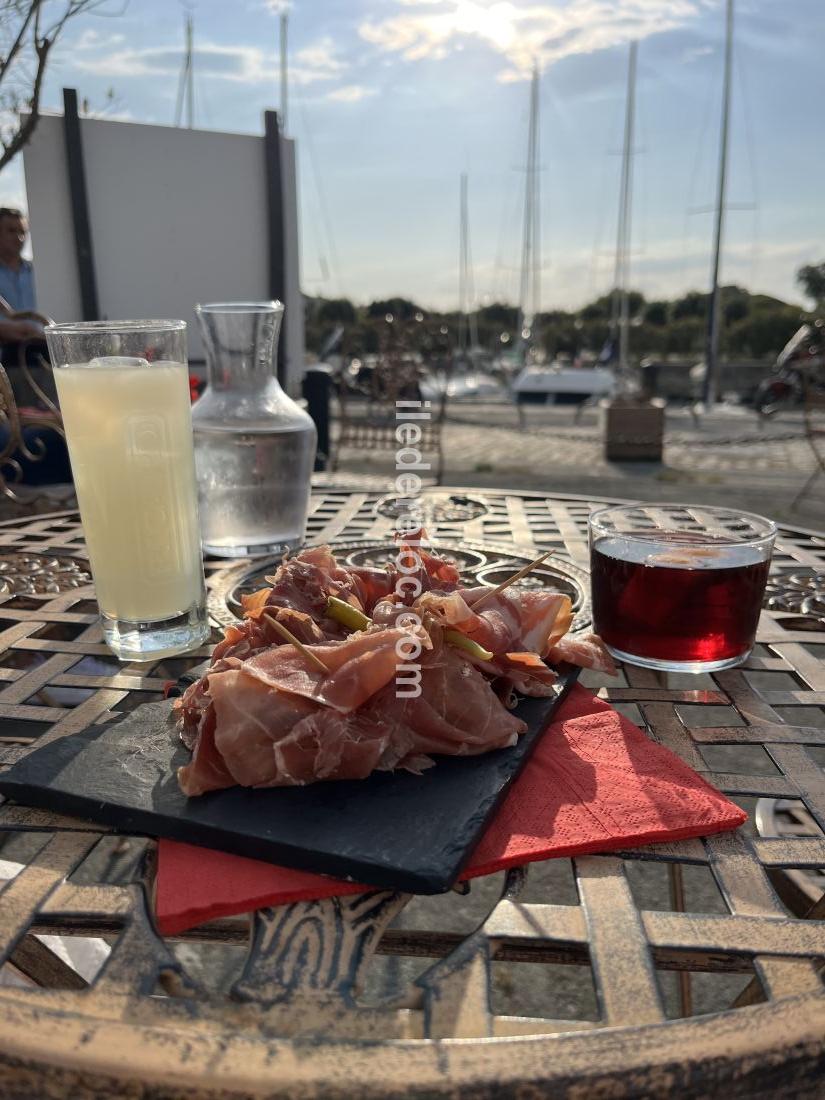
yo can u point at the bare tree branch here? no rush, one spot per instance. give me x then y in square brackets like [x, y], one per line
[7, 61]
[25, 61]
[27, 123]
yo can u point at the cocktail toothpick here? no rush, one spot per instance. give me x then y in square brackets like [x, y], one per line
[288, 636]
[511, 580]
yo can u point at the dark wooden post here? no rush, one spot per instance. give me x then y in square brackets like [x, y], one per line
[275, 210]
[317, 388]
[80, 207]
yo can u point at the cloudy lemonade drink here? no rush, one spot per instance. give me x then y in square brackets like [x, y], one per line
[129, 434]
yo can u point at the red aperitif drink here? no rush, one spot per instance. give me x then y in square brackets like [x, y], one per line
[680, 599]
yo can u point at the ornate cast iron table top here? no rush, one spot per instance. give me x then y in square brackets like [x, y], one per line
[475, 1006]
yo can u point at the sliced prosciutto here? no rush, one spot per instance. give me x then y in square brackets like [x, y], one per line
[585, 650]
[387, 669]
[358, 667]
[257, 734]
[513, 620]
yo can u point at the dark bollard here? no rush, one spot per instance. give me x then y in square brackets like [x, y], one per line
[317, 389]
[650, 379]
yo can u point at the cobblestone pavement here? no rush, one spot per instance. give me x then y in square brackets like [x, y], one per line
[726, 457]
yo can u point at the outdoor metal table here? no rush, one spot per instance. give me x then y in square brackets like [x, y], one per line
[292, 1023]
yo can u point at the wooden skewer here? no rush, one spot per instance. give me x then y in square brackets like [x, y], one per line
[288, 636]
[511, 580]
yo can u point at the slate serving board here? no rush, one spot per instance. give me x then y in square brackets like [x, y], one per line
[393, 829]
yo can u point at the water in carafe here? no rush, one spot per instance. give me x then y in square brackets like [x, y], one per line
[254, 446]
[253, 495]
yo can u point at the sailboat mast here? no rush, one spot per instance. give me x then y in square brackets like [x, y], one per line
[186, 81]
[284, 69]
[536, 199]
[710, 389]
[530, 250]
[621, 307]
[462, 265]
[467, 320]
[190, 62]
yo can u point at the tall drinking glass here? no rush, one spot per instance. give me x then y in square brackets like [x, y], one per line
[124, 395]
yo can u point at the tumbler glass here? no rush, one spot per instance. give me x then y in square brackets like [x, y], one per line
[679, 587]
[124, 396]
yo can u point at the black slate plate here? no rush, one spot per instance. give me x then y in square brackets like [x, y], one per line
[408, 832]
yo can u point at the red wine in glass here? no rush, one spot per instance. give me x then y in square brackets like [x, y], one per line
[677, 599]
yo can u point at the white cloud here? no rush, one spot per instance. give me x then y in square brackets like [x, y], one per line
[246, 64]
[522, 31]
[123, 115]
[239, 64]
[350, 93]
[91, 39]
[320, 61]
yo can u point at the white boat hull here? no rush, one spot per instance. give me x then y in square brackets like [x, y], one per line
[581, 382]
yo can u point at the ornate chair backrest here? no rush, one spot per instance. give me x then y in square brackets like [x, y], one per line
[32, 383]
[369, 417]
[35, 369]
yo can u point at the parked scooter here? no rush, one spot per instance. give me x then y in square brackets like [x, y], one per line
[803, 356]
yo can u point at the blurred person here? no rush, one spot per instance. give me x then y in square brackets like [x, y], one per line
[25, 335]
[13, 332]
[16, 274]
[16, 290]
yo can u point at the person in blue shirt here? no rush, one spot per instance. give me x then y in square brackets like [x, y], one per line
[16, 278]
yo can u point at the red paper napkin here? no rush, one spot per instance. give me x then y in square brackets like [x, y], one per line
[594, 782]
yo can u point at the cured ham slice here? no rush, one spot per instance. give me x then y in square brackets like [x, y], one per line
[523, 672]
[256, 632]
[305, 583]
[586, 650]
[257, 734]
[456, 712]
[207, 770]
[515, 620]
[358, 668]
[430, 570]
[333, 704]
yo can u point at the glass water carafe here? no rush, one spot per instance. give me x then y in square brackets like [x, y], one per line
[254, 447]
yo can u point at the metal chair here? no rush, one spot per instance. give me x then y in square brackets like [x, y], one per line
[393, 379]
[32, 383]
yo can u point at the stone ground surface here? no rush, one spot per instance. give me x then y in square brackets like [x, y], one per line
[729, 457]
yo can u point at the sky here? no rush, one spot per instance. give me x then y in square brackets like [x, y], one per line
[391, 100]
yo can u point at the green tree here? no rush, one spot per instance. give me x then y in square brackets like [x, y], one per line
[811, 277]
[332, 311]
[656, 313]
[693, 304]
[499, 314]
[685, 336]
[763, 333]
[400, 308]
[560, 337]
[598, 310]
[735, 304]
